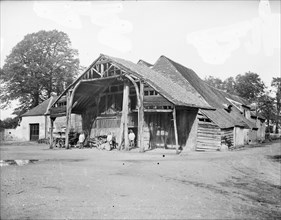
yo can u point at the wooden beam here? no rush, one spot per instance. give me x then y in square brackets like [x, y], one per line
[136, 87]
[102, 69]
[140, 118]
[96, 70]
[125, 113]
[124, 118]
[69, 101]
[175, 129]
[155, 110]
[100, 79]
[107, 69]
[68, 118]
[106, 102]
[52, 134]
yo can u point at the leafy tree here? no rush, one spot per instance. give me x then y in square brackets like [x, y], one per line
[214, 82]
[229, 85]
[9, 123]
[276, 83]
[41, 64]
[249, 86]
[266, 107]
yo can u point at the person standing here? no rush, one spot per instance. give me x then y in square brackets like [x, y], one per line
[81, 139]
[132, 137]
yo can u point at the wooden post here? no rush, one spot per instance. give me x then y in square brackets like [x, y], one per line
[124, 118]
[125, 113]
[140, 118]
[52, 135]
[68, 119]
[106, 102]
[175, 129]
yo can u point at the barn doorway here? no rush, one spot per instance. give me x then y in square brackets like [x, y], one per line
[34, 132]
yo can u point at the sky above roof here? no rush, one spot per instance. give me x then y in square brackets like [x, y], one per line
[218, 38]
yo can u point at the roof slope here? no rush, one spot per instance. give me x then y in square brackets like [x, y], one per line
[175, 89]
[214, 97]
[40, 109]
[144, 63]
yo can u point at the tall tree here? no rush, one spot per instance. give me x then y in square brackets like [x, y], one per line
[249, 86]
[229, 85]
[214, 82]
[266, 107]
[276, 83]
[41, 64]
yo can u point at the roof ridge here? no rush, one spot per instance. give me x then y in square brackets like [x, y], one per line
[141, 60]
[237, 96]
[169, 59]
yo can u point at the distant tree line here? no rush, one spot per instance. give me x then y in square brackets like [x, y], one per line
[250, 87]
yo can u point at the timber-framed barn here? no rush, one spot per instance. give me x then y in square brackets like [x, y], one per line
[166, 104]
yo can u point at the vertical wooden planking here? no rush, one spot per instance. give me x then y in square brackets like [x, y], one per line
[141, 118]
[175, 129]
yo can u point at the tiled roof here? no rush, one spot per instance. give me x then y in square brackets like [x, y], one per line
[40, 109]
[144, 63]
[171, 87]
[214, 97]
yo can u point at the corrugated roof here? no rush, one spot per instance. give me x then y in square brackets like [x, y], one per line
[175, 89]
[214, 97]
[40, 109]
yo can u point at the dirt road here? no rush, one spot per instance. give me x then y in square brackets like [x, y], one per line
[93, 184]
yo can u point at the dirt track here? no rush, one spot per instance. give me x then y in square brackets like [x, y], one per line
[93, 184]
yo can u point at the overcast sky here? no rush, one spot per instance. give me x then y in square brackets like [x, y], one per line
[218, 38]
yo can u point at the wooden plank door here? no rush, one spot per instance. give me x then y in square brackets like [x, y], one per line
[34, 132]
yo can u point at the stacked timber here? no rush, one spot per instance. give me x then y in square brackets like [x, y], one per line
[227, 137]
[208, 137]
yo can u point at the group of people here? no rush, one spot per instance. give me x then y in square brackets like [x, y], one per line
[110, 141]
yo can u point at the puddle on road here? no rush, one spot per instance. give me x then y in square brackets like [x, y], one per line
[4, 163]
[275, 158]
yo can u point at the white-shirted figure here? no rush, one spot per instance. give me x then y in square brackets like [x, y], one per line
[132, 137]
[109, 138]
[109, 141]
[81, 139]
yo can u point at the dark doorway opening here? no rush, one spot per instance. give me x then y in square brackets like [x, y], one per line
[34, 132]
